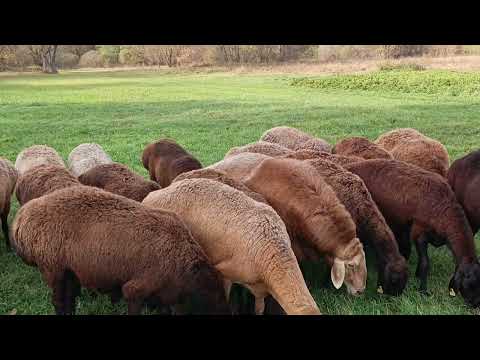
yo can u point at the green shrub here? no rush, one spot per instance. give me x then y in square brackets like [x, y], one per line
[66, 60]
[92, 59]
[403, 66]
[109, 53]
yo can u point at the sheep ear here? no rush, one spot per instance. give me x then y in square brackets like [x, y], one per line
[338, 273]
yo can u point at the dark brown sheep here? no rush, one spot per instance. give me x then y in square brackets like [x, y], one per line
[370, 223]
[42, 180]
[8, 179]
[84, 236]
[464, 178]
[119, 179]
[422, 203]
[222, 177]
[165, 160]
[361, 147]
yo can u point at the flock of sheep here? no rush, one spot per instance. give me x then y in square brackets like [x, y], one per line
[250, 219]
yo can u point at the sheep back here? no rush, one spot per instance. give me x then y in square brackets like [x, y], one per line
[261, 147]
[362, 147]
[85, 157]
[295, 139]
[239, 166]
[37, 155]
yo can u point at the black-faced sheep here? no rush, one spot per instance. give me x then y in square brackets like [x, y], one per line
[165, 160]
[119, 179]
[261, 147]
[42, 180]
[85, 157]
[413, 147]
[8, 179]
[244, 239]
[222, 177]
[84, 236]
[422, 203]
[464, 178]
[318, 223]
[37, 155]
[361, 147]
[295, 139]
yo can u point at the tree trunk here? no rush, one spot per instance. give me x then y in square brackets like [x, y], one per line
[48, 60]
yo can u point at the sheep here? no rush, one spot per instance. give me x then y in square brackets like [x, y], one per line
[464, 178]
[86, 237]
[261, 147]
[244, 239]
[8, 179]
[422, 203]
[295, 139]
[118, 179]
[223, 178]
[413, 147]
[370, 224]
[239, 166]
[165, 160]
[312, 154]
[318, 223]
[37, 155]
[362, 147]
[85, 157]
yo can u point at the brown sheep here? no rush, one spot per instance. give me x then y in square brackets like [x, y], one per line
[464, 178]
[239, 166]
[370, 224]
[119, 179]
[165, 160]
[317, 222]
[84, 236]
[8, 179]
[362, 147]
[413, 147]
[312, 154]
[42, 180]
[422, 203]
[85, 157]
[37, 155]
[222, 177]
[261, 147]
[244, 239]
[295, 139]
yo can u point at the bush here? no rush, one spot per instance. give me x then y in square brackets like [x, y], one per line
[132, 55]
[397, 51]
[110, 53]
[92, 59]
[66, 60]
[409, 66]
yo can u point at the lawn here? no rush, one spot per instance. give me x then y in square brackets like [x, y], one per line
[208, 113]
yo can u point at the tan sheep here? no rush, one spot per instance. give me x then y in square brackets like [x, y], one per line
[295, 139]
[222, 177]
[85, 157]
[335, 158]
[261, 147]
[37, 155]
[8, 179]
[362, 147]
[239, 166]
[411, 146]
[318, 223]
[244, 239]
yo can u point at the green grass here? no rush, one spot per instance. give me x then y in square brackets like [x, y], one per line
[210, 113]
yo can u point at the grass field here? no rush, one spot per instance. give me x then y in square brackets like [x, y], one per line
[208, 114]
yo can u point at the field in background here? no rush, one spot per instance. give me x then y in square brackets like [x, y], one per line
[208, 113]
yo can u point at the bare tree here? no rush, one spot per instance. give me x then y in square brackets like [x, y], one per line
[7, 52]
[44, 55]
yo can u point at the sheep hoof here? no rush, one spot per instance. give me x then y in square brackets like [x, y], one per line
[380, 290]
[452, 292]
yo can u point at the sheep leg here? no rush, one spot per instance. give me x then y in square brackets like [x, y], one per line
[420, 238]
[72, 290]
[259, 305]
[58, 293]
[134, 292]
[4, 219]
[404, 244]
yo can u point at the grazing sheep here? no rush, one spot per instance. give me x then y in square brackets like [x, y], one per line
[318, 223]
[165, 160]
[362, 147]
[413, 147]
[84, 236]
[464, 178]
[261, 147]
[244, 239]
[295, 139]
[85, 157]
[37, 155]
[239, 166]
[8, 179]
[42, 180]
[119, 179]
[222, 177]
[312, 154]
[370, 224]
[421, 202]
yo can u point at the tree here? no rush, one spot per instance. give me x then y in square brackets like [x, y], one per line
[7, 53]
[45, 56]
